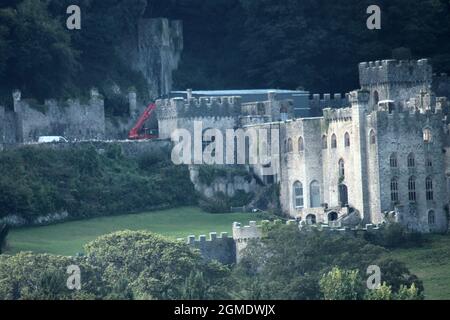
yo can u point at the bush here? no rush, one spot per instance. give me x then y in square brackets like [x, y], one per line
[84, 183]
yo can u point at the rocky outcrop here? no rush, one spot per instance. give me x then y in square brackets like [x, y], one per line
[155, 51]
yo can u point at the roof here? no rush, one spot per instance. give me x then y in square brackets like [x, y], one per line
[240, 92]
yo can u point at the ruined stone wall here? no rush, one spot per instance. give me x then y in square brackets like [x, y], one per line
[71, 119]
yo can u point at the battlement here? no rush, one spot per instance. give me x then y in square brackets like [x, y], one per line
[204, 106]
[202, 238]
[395, 71]
[328, 100]
[334, 115]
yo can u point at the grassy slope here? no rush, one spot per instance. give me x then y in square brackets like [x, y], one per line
[68, 238]
[431, 264]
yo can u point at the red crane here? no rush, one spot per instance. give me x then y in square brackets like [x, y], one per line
[139, 132]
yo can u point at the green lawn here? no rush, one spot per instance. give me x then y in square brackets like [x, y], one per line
[68, 238]
[431, 264]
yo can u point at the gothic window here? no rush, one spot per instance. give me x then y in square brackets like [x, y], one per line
[341, 168]
[427, 136]
[429, 188]
[429, 162]
[431, 218]
[347, 139]
[314, 193]
[301, 146]
[290, 147]
[333, 141]
[394, 190]
[411, 160]
[373, 138]
[298, 195]
[412, 189]
[393, 160]
[324, 142]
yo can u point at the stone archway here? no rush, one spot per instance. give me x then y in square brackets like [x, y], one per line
[311, 219]
[332, 216]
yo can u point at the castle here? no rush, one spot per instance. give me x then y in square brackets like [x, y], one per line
[384, 153]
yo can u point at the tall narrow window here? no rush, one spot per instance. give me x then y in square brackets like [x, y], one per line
[301, 146]
[372, 137]
[341, 168]
[411, 160]
[298, 195]
[314, 193]
[429, 188]
[376, 97]
[431, 218]
[333, 142]
[393, 160]
[412, 189]
[324, 142]
[347, 140]
[394, 190]
[427, 136]
[429, 162]
[290, 147]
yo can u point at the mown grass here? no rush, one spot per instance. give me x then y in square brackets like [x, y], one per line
[431, 263]
[68, 238]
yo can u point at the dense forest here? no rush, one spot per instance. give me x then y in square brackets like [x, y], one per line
[314, 44]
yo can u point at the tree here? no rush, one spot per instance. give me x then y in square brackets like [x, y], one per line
[341, 284]
[28, 276]
[44, 63]
[150, 266]
[288, 264]
[384, 292]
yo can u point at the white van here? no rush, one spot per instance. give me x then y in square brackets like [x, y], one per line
[50, 139]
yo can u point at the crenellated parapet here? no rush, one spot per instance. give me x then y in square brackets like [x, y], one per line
[203, 107]
[395, 71]
[337, 115]
[220, 248]
[327, 100]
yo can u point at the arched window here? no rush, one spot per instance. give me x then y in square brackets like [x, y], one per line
[347, 139]
[324, 142]
[394, 190]
[431, 218]
[311, 219]
[429, 162]
[412, 189]
[411, 160]
[332, 216]
[298, 195]
[314, 194]
[341, 168]
[290, 147]
[427, 135]
[429, 188]
[376, 97]
[301, 146]
[373, 137]
[333, 141]
[393, 160]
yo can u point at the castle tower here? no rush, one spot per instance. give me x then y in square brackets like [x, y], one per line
[395, 80]
[359, 101]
